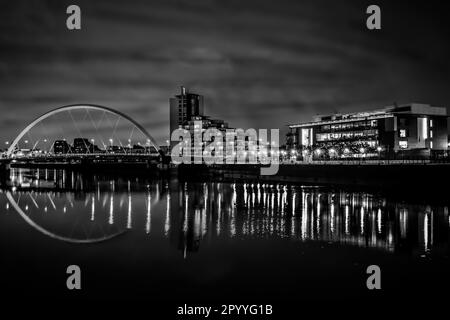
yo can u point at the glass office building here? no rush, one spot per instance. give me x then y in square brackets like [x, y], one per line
[411, 129]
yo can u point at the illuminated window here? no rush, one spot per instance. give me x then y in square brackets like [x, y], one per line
[402, 133]
[431, 133]
[431, 123]
[422, 128]
[403, 144]
[431, 144]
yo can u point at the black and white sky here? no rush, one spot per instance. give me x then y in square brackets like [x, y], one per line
[259, 63]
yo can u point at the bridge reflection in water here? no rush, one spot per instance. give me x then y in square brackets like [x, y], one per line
[73, 207]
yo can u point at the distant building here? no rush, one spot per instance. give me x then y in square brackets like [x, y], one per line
[205, 123]
[164, 149]
[183, 107]
[187, 112]
[61, 147]
[83, 145]
[411, 129]
[118, 149]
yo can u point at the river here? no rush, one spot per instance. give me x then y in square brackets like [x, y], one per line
[171, 240]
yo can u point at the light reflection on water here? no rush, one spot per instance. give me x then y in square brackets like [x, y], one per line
[72, 207]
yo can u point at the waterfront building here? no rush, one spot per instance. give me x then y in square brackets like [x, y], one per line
[187, 112]
[414, 130]
[183, 107]
[83, 145]
[61, 147]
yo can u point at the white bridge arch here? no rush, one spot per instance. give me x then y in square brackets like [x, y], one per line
[62, 237]
[78, 107]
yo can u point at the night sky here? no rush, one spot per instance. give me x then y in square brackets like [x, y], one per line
[259, 63]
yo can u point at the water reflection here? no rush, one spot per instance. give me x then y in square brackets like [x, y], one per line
[79, 208]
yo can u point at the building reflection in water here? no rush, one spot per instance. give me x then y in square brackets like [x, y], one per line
[189, 214]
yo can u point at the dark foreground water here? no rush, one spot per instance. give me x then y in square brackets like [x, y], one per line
[209, 242]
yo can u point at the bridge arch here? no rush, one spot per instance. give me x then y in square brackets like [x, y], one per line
[78, 107]
[53, 235]
[61, 236]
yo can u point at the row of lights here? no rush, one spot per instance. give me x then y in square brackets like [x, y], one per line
[92, 141]
[255, 152]
[331, 151]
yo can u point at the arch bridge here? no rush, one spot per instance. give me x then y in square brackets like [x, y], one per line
[84, 132]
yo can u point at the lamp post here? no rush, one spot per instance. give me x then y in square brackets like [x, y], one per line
[362, 151]
[111, 141]
[318, 152]
[332, 152]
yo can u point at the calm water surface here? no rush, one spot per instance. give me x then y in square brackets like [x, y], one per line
[167, 240]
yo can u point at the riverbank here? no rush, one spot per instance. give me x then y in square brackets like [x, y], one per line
[355, 174]
[421, 177]
[415, 180]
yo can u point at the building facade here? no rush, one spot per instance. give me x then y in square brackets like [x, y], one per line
[411, 129]
[61, 147]
[187, 112]
[183, 107]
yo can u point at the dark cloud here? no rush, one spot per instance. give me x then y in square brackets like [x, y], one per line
[259, 63]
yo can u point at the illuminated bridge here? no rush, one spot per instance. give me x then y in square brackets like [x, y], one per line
[83, 134]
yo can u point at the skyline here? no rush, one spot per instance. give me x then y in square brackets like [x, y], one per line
[254, 62]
